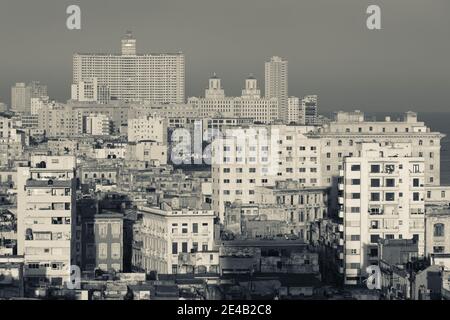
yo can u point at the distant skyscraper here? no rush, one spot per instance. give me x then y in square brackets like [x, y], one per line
[21, 95]
[309, 109]
[276, 73]
[130, 76]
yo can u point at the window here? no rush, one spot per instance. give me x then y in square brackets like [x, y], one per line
[204, 246]
[354, 237]
[375, 168]
[355, 209]
[356, 195]
[356, 182]
[375, 196]
[374, 183]
[115, 229]
[415, 196]
[103, 251]
[195, 228]
[184, 247]
[438, 230]
[194, 247]
[103, 230]
[115, 251]
[355, 167]
[415, 182]
[374, 238]
[184, 228]
[438, 249]
[390, 182]
[390, 196]
[373, 253]
[389, 168]
[174, 247]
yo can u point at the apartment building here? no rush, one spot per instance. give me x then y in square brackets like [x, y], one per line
[165, 234]
[129, 76]
[12, 142]
[46, 213]
[98, 125]
[250, 157]
[150, 152]
[342, 138]
[148, 128]
[437, 229]
[382, 197]
[90, 91]
[102, 241]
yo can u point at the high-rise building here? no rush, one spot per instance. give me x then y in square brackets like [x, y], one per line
[131, 76]
[21, 95]
[276, 77]
[46, 212]
[90, 91]
[309, 109]
[382, 197]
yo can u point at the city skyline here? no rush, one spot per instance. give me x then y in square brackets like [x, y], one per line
[345, 64]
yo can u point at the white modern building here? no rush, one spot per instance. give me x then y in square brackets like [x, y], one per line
[98, 125]
[158, 77]
[382, 197]
[46, 212]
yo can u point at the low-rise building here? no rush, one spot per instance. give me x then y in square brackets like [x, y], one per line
[165, 233]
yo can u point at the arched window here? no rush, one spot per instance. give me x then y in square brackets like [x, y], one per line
[339, 142]
[439, 230]
[420, 142]
[350, 142]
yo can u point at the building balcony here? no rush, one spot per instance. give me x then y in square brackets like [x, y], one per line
[341, 200]
[341, 214]
[341, 242]
[341, 228]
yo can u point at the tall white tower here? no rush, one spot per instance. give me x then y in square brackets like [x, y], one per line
[214, 90]
[251, 90]
[276, 77]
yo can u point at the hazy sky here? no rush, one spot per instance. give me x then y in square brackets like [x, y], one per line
[330, 51]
